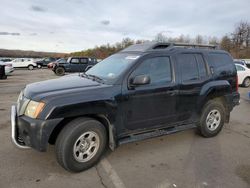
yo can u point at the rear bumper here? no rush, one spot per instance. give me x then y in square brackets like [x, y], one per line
[31, 133]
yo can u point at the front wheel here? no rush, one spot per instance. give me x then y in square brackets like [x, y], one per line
[39, 66]
[80, 144]
[59, 71]
[212, 118]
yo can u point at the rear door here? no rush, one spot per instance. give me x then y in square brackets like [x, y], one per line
[193, 72]
[83, 64]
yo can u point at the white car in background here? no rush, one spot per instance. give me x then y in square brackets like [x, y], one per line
[24, 63]
[8, 67]
[243, 75]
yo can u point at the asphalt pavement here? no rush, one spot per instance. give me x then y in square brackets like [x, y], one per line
[183, 159]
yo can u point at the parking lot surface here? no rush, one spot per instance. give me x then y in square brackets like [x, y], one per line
[184, 159]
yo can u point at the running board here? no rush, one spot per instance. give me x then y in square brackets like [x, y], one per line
[155, 133]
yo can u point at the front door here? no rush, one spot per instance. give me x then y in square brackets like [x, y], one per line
[75, 65]
[151, 105]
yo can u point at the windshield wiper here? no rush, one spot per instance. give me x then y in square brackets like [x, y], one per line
[95, 78]
[92, 77]
[84, 75]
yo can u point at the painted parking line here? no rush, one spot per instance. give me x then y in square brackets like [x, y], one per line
[115, 179]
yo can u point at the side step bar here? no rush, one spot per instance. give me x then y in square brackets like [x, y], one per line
[155, 133]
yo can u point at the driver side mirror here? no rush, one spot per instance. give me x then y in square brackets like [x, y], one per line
[140, 80]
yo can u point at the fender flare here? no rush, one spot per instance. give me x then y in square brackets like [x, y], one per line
[220, 88]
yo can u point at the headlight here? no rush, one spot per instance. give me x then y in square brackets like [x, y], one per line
[34, 109]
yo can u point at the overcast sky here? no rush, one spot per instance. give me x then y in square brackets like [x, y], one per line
[73, 25]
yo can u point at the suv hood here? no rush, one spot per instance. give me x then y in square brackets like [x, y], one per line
[67, 84]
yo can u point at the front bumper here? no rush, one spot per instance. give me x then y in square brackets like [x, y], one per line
[27, 132]
[14, 132]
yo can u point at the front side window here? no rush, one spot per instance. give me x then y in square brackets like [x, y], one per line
[74, 60]
[157, 68]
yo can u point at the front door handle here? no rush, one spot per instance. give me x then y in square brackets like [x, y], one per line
[171, 92]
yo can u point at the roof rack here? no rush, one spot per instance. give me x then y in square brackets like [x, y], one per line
[187, 45]
[148, 46]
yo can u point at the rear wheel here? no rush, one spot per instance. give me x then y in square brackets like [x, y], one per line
[212, 118]
[60, 71]
[39, 66]
[80, 144]
[30, 67]
[246, 82]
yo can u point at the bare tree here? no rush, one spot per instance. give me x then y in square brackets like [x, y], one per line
[199, 39]
[226, 43]
[240, 36]
[213, 40]
[160, 37]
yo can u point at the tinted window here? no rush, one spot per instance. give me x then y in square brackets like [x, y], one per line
[84, 60]
[222, 62]
[74, 60]
[239, 68]
[188, 66]
[158, 68]
[201, 66]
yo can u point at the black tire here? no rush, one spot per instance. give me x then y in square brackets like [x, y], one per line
[30, 67]
[212, 128]
[246, 82]
[39, 66]
[66, 142]
[60, 71]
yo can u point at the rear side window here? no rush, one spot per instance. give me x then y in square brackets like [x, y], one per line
[188, 66]
[201, 66]
[84, 60]
[192, 67]
[221, 62]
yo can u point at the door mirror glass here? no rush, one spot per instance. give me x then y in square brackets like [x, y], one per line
[140, 80]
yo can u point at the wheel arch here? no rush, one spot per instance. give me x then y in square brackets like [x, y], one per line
[217, 91]
[99, 117]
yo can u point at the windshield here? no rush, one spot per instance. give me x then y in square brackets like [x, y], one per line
[112, 67]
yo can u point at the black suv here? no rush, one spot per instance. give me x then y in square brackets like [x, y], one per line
[144, 91]
[74, 64]
[44, 62]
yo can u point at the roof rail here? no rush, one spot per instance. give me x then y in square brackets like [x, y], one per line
[148, 46]
[193, 45]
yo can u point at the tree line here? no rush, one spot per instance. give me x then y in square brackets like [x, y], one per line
[237, 43]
